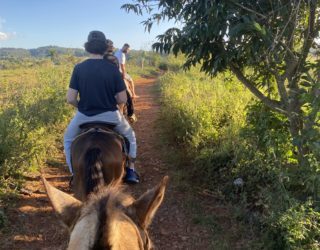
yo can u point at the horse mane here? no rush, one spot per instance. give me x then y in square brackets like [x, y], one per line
[107, 202]
[111, 195]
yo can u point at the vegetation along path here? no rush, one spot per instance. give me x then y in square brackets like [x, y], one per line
[33, 225]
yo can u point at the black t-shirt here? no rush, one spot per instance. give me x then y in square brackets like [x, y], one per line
[97, 81]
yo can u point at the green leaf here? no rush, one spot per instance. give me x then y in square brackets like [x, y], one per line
[305, 84]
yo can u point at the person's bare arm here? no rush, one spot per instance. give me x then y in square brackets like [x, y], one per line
[121, 107]
[123, 70]
[128, 86]
[131, 86]
[72, 97]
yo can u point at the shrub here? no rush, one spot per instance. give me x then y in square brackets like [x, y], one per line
[163, 66]
[274, 184]
[30, 117]
[296, 228]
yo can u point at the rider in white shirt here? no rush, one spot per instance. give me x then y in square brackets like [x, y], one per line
[131, 95]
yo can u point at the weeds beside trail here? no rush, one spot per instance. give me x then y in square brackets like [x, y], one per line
[32, 115]
[235, 146]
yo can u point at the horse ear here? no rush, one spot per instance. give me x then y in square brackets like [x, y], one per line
[146, 206]
[66, 206]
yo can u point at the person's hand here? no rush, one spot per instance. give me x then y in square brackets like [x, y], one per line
[134, 96]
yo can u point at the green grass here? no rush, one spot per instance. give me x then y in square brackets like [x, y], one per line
[32, 113]
[204, 117]
[220, 133]
[201, 120]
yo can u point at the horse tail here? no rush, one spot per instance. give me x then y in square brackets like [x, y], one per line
[93, 170]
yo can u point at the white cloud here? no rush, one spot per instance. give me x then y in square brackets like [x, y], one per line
[3, 36]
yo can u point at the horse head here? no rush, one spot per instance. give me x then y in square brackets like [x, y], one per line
[109, 219]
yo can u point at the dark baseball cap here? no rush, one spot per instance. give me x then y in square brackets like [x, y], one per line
[96, 35]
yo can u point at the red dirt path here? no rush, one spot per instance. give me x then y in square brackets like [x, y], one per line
[33, 224]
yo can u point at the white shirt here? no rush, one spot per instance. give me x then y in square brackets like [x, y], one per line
[121, 58]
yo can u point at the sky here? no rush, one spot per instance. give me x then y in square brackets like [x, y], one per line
[66, 23]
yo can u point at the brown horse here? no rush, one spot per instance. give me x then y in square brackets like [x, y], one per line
[109, 219]
[97, 158]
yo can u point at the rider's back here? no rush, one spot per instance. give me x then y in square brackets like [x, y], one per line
[97, 81]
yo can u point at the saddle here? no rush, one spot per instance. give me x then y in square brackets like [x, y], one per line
[104, 127]
[107, 126]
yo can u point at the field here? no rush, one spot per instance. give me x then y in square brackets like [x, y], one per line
[32, 103]
[225, 144]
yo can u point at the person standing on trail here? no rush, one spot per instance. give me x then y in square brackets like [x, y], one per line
[131, 95]
[96, 89]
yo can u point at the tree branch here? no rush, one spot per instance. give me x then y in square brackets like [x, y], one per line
[273, 104]
[248, 9]
[309, 35]
[282, 89]
[290, 58]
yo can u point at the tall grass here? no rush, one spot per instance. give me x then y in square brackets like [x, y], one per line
[32, 114]
[224, 135]
[204, 115]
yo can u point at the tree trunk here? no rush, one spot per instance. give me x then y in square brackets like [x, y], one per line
[295, 117]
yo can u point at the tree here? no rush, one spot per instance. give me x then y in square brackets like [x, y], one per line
[266, 44]
[52, 53]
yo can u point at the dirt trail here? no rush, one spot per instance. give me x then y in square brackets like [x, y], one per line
[33, 224]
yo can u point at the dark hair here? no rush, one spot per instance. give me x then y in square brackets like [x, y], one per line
[126, 45]
[110, 47]
[96, 47]
[112, 59]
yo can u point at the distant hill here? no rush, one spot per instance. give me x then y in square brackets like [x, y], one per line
[13, 52]
[40, 52]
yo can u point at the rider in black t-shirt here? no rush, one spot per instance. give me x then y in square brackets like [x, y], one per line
[96, 89]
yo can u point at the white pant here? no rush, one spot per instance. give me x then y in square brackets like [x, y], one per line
[122, 127]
